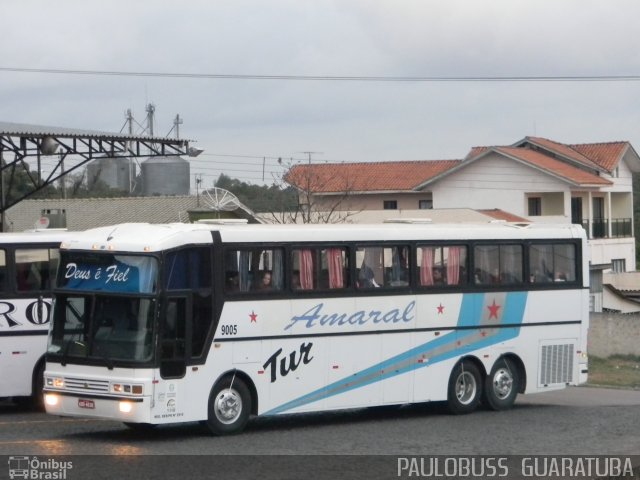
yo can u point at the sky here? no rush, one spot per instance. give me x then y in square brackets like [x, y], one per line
[245, 125]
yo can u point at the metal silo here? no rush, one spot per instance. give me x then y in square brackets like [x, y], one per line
[116, 172]
[165, 176]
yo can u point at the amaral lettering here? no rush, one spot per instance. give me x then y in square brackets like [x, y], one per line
[316, 316]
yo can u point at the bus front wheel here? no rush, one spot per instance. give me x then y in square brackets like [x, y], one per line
[229, 406]
[465, 388]
[501, 387]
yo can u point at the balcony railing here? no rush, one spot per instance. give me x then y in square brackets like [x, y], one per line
[620, 227]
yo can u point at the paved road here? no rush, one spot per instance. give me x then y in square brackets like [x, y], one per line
[575, 421]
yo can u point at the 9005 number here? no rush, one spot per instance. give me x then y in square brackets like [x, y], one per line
[229, 329]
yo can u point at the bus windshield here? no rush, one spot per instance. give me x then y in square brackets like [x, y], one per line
[106, 272]
[105, 328]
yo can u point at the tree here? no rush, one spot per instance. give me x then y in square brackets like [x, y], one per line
[259, 198]
[308, 181]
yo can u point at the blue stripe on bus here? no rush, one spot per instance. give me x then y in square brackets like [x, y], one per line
[451, 345]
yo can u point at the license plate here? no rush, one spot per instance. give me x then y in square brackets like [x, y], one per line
[86, 403]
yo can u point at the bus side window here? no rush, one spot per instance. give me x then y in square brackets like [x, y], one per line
[172, 346]
[552, 262]
[3, 271]
[253, 270]
[190, 269]
[35, 268]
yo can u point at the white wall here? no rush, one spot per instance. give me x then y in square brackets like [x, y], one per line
[493, 182]
[607, 249]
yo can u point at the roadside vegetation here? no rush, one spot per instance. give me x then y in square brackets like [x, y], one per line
[621, 371]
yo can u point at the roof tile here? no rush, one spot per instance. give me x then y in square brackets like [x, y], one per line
[358, 177]
[554, 166]
[607, 154]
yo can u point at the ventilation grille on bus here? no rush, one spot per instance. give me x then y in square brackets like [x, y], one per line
[556, 364]
[87, 385]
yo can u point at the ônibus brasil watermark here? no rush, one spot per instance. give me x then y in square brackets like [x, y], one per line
[34, 468]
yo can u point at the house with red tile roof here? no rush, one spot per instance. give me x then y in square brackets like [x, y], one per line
[535, 178]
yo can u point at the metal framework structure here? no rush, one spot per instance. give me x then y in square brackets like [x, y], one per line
[23, 147]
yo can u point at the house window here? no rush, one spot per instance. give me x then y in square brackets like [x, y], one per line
[425, 204]
[390, 205]
[618, 265]
[535, 206]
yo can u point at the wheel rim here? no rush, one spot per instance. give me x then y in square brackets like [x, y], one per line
[502, 383]
[466, 388]
[228, 406]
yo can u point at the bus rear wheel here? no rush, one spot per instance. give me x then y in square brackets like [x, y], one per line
[229, 406]
[501, 386]
[465, 388]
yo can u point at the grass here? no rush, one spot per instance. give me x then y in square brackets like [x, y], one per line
[622, 371]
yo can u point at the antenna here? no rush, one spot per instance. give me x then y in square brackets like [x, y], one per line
[220, 200]
[312, 153]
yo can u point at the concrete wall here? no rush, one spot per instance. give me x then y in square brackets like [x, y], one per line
[611, 333]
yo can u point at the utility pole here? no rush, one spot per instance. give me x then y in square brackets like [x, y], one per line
[311, 153]
[63, 183]
[151, 108]
[129, 121]
[176, 123]
[198, 181]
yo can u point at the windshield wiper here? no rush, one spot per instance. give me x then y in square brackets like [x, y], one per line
[107, 361]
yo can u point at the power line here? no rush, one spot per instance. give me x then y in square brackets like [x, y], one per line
[334, 78]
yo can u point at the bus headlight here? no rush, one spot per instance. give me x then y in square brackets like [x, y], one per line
[51, 399]
[54, 382]
[126, 388]
[126, 407]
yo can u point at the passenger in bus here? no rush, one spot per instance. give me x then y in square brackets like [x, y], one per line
[232, 282]
[295, 281]
[265, 281]
[560, 277]
[366, 278]
[26, 277]
[438, 276]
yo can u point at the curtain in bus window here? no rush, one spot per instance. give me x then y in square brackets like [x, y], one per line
[306, 269]
[334, 262]
[243, 272]
[453, 265]
[277, 280]
[426, 268]
[487, 261]
[399, 266]
[564, 257]
[511, 264]
[541, 263]
[147, 271]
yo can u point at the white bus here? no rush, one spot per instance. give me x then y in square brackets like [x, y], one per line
[155, 324]
[28, 263]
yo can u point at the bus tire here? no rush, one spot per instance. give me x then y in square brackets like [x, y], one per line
[229, 406]
[37, 392]
[501, 385]
[465, 388]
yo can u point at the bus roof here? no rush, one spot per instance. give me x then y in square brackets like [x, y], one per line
[144, 237]
[36, 236]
